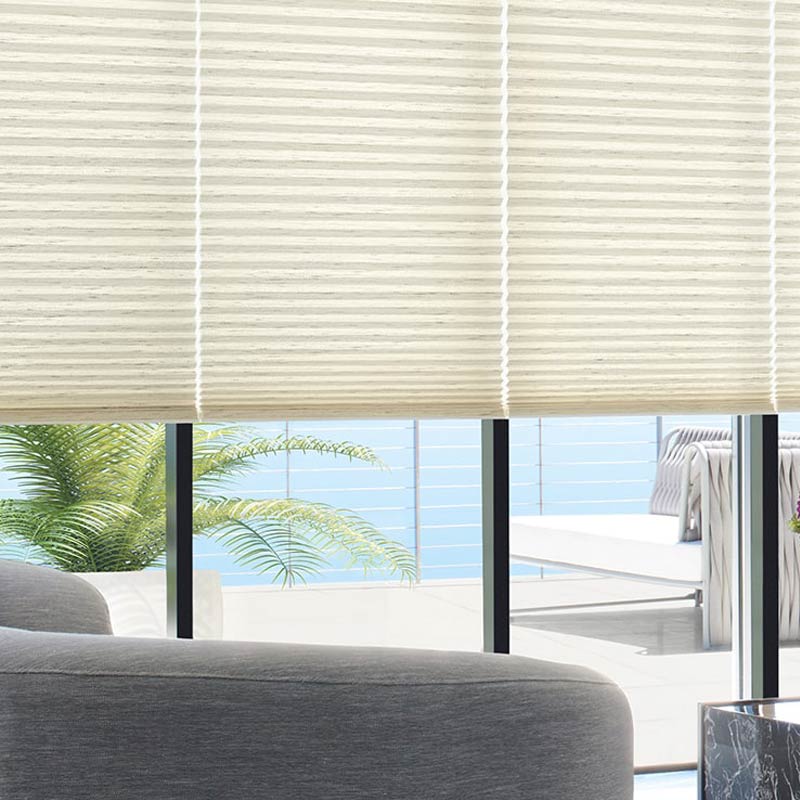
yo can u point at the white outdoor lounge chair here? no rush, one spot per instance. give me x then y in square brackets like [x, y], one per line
[709, 501]
[664, 546]
[686, 539]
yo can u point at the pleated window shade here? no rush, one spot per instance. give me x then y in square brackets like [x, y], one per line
[221, 210]
[787, 205]
[639, 206]
[350, 208]
[96, 210]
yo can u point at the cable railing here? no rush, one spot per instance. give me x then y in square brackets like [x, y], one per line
[429, 497]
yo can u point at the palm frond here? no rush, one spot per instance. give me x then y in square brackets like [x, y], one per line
[312, 527]
[61, 464]
[94, 500]
[267, 546]
[18, 526]
[216, 466]
[14, 549]
[69, 535]
[146, 460]
[40, 458]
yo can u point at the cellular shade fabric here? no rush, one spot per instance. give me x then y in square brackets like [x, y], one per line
[296, 209]
[639, 206]
[787, 204]
[350, 209]
[96, 210]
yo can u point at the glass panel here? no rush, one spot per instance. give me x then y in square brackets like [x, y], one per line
[615, 586]
[327, 536]
[422, 503]
[89, 499]
[789, 555]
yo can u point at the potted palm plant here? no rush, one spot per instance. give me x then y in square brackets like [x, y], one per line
[93, 501]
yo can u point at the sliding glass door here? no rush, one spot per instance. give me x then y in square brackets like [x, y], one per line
[643, 547]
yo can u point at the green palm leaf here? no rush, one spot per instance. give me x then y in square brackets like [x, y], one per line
[94, 500]
[309, 533]
[220, 459]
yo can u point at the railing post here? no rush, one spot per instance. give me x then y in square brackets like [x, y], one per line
[417, 500]
[659, 435]
[180, 601]
[288, 493]
[755, 569]
[540, 453]
[495, 511]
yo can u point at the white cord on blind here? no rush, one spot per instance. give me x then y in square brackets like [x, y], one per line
[773, 277]
[504, 368]
[198, 228]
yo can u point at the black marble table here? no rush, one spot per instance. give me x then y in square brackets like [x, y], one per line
[750, 750]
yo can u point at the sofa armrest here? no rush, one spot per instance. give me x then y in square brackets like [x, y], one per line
[86, 716]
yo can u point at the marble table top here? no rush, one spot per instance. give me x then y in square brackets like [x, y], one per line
[750, 750]
[785, 709]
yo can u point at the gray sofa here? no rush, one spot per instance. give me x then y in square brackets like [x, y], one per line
[84, 714]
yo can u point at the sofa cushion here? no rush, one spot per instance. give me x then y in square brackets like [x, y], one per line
[44, 599]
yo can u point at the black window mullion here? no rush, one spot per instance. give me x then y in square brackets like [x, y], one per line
[756, 624]
[495, 505]
[180, 600]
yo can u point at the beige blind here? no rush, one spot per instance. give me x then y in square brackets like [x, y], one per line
[350, 206]
[96, 210]
[787, 204]
[222, 209]
[639, 206]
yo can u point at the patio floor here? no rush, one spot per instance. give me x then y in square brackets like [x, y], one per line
[653, 651]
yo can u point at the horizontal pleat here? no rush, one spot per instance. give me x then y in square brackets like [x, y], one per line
[350, 208]
[639, 207]
[351, 199]
[787, 205]
[96, 211]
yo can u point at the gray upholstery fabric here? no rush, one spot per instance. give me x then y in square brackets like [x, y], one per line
[42, 599]
[98, 717]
